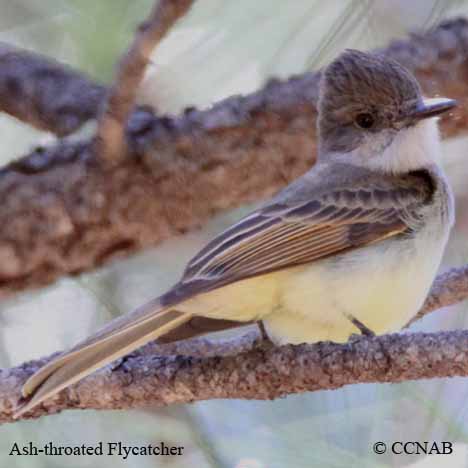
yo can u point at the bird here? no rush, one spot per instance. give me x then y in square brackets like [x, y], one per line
[352, 245]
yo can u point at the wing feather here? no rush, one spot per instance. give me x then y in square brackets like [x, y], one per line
[293, 232]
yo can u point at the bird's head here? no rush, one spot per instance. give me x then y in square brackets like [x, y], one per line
[372, 112]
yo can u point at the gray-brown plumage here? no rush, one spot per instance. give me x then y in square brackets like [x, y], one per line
[349, 89]
[310, 221]
[346, 236]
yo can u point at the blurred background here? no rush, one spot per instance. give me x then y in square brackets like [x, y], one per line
[225, 48]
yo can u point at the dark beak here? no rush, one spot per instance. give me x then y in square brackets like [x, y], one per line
[431, 107]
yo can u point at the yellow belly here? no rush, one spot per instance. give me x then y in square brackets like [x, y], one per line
[383, 289]
[250, 299]
[383, 286]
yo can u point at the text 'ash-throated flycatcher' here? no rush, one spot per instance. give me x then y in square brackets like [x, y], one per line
[357, 240]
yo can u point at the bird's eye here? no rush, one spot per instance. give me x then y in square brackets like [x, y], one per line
[365, 120]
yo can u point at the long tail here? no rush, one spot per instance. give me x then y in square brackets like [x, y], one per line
[120, 337]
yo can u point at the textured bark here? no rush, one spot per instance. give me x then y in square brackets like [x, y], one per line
[199, 369]
[261, 373]
[111, 144]
[64, 213]
[448, 288]
[45, 93]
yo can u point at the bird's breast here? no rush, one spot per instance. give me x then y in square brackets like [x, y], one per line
[382, 285]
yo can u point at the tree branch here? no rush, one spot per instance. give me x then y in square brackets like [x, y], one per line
[260, 373]
[448, 289]
[194, 370]
[111, 142]
[63, 213]
[45, 93]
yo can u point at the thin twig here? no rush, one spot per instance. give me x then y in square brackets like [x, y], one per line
[110, 138]
[61, 213]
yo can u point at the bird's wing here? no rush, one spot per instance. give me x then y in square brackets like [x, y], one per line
[296, 228]
[292, 232]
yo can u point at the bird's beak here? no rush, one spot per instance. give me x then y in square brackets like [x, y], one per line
[431, 107]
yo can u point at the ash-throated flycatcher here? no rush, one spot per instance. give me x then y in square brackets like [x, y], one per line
[355, 241]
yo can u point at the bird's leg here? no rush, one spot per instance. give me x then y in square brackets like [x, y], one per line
[263, 332]
[359, 325]
[265, 341]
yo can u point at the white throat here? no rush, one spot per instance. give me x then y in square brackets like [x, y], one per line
[406, 150]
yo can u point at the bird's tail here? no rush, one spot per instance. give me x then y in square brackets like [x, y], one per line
[120, 337]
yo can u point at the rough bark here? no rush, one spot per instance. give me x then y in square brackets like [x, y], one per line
[44, 93]
[448, 288]
[261, 373]
[64, 213]
[199, 369]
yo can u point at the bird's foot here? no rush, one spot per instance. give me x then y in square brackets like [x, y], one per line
[263, 332]
[365, 331]
[264, 341]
